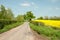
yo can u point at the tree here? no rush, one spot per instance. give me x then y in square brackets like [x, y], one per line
[0, 14]
[9, 14]
[3, 12]
[46, 18]
[20, 18]
[6, 14]
[6, 17]
[54, 18]
[29, 15]
[40, 17]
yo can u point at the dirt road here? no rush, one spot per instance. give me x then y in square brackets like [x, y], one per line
[22, 32]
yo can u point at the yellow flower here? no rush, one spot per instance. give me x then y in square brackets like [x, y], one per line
[53, 23]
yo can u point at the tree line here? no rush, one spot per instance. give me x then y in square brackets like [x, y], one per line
[49, 18]
[7, 17]
[6, 13]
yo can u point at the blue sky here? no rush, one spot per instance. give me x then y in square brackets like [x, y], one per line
[38, 7]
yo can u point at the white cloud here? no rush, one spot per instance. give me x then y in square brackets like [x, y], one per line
[33, 3]
[57, 8]
[30, 4]
[54, 8]
[54, 1]
[25, 4]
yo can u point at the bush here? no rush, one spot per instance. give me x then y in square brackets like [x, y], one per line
[38, 23]
[6, 22]
[10, 26]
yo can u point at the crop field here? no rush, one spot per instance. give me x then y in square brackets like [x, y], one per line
[50, 28]
[52, 23]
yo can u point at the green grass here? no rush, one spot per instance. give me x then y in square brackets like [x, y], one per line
[54, 34]
[10, 26]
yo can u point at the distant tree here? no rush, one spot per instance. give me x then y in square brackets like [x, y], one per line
[29, 15]
[54, 18]
[25, 17]
[40, 17]
[20, 18]
[46, 17]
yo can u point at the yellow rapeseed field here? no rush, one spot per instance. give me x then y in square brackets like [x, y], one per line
[53, 23]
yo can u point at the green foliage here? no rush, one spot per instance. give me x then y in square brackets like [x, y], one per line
[6, 13]
[20, 18]
[6, 22]
[29, 15]
[9, 14]
[6, 17]
[40, 18]
[49, 18]
[48, 31]
[10, 26]
[37, 23]
[2, 12]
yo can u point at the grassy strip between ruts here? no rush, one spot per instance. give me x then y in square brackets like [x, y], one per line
[53, 34]
[10, 26]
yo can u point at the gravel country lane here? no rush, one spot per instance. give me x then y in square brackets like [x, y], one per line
[22, 32]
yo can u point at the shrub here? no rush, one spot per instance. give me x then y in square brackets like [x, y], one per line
[10, 26]
[38, 23]
[6, 22]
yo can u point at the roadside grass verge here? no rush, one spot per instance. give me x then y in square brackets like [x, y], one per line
[10, 26]
[53, 34]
